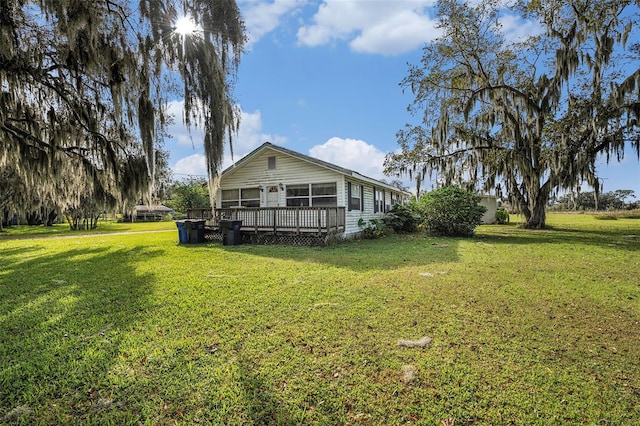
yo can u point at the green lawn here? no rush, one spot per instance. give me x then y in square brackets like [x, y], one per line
[527, 327]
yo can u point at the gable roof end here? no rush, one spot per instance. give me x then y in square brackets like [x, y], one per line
[306, 158]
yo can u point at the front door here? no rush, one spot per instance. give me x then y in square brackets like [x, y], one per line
[272, 196]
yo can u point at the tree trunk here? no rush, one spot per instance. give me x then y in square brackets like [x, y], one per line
[51, 217]
[536, 217]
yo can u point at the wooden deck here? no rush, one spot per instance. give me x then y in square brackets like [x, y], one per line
[285, 220]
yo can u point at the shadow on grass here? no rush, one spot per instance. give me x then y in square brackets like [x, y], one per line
[63, 318]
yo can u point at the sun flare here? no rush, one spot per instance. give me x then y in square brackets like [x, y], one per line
[185, 26]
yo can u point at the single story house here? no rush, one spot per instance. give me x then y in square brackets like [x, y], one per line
[280, 191]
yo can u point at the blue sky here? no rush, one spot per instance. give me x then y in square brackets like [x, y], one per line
[322, 78]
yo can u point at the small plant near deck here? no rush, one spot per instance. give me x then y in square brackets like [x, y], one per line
[372, 228]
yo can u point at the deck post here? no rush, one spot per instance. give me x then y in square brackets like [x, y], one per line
[255, 220]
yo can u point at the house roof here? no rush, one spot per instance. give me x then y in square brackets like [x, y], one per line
[147, 209]
[347, 172]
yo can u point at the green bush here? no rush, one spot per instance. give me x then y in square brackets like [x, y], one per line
[371, 229]
[502, 216]
[402, 219]
[450, 211]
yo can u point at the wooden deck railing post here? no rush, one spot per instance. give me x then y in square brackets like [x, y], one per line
[255, 220]
[275, 222]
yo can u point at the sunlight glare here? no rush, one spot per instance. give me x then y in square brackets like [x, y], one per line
[185, 26]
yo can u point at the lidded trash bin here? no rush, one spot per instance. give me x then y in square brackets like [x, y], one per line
[183, 236]
[195, 230]
[230, 229]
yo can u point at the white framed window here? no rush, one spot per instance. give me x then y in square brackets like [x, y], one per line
[230, 198]
[324, 194]
[379, 200]
[271, 162]
[298, 195]
[250, 197]
[246, 197]
[354, 196]
[314, 194]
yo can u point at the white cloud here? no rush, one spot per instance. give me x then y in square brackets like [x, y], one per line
[262, 17]
[353, 154]
[516, 29]
[249, 137]
[194, 165]
[384, 27]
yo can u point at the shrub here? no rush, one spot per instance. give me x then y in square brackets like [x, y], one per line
[371, 229]
[451, 211]
[402, 219]
[502, 216]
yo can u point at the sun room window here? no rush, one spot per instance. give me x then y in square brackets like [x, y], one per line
[315, 194]
[245, 197]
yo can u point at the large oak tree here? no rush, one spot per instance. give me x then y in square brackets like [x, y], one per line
[532, 115]
[84, 84]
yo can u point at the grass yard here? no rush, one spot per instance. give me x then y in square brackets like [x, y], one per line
[527, 327]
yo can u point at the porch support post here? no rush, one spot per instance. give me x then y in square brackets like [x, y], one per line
[255, 220]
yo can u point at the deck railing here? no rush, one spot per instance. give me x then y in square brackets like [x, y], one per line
[321, 220]
[205, 213]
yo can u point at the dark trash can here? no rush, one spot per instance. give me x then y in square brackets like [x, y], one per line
[195, 230]
[230, 229]
[183, 236]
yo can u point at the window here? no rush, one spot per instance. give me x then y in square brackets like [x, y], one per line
[355, 196]
[297, 195]
[246, 197]
[395, 199]
[271, 163]
[324, 195]
[230, 198]
[250, 197]
[378, 200]
[315, 194]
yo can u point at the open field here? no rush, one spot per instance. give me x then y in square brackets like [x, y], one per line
[527, 327]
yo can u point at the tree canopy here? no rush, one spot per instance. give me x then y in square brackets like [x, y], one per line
[84, 85]
[529, 116]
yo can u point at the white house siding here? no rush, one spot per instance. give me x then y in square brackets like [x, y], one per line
[288, 171]
[367, 213]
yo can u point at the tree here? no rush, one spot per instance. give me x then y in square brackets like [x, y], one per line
[615, 200]
[532, 115]
[84, 84]
[190, 194]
